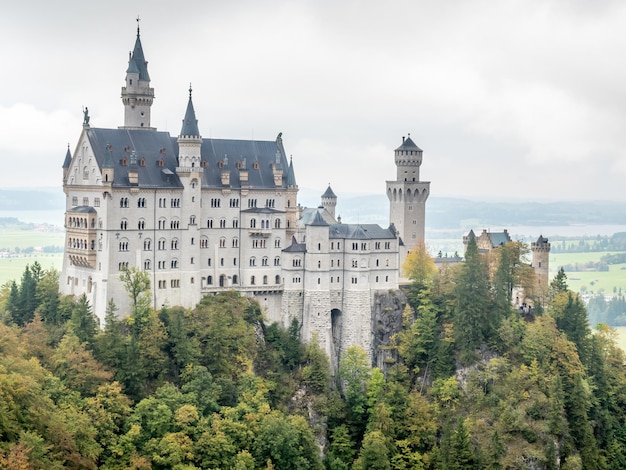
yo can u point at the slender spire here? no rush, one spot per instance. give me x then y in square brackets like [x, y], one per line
[190, 123]
[291, 176]
[68, 158]
[137, 62]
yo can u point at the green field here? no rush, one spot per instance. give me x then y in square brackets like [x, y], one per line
[11, 239]
[592, 281]
[12, 268]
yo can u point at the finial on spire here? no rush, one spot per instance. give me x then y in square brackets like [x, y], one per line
[138, 20]
[189, 90]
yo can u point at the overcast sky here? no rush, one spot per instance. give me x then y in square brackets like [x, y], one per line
[508, 99]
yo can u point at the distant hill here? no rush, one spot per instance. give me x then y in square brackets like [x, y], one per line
[442, 213]
[29, 199]
[447, 213]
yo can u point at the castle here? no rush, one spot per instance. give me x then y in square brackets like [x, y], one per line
[201, 216]
[540, 263]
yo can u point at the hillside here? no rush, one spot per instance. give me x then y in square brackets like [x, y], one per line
[468, 382]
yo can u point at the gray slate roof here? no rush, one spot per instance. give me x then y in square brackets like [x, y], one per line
[408, 144]
[257, 156]
[329, 193]
[309, 214]
[361, 231]
[499, 238]
[318, 221]
[82, 209]
[295, 247]
[68, 158]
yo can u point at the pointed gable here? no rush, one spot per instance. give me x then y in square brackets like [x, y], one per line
[318, 221]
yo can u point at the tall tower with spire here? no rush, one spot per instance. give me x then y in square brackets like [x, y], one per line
[407, 197]
[137, 95]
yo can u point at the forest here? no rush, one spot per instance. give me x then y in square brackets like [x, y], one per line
[470, 382]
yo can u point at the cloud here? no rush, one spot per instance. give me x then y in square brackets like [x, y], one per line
[34, 143]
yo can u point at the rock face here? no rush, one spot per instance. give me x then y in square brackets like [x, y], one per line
[386, 321]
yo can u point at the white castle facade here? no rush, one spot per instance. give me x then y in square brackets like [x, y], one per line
[201, 216]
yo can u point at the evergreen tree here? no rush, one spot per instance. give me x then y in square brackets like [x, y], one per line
[471, 319]
[27, 301]
[12, 303]
[83, 322]
[559, 283]
[572, 320]
[48, 297]
[462, 456]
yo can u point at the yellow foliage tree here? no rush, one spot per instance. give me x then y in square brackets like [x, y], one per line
[419, 265]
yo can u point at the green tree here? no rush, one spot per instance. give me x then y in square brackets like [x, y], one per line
[287, 442]
[462, 456]
[83, 322]
[374, 454]
[354, 372]
[559, 283]
[48, 297]
[137, 285]
[471, 318]
[341, 448]
[571, 318]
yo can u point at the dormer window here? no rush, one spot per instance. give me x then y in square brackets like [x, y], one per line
[256, 165]
[204, 164]
[124, 161]
[161, 163]
[142, 162]
[220, 164]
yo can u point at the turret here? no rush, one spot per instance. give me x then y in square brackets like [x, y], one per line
[541, 260]
[137, 95]
[189, 141]
[67, 162]
[329, 200]
[292, 200]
